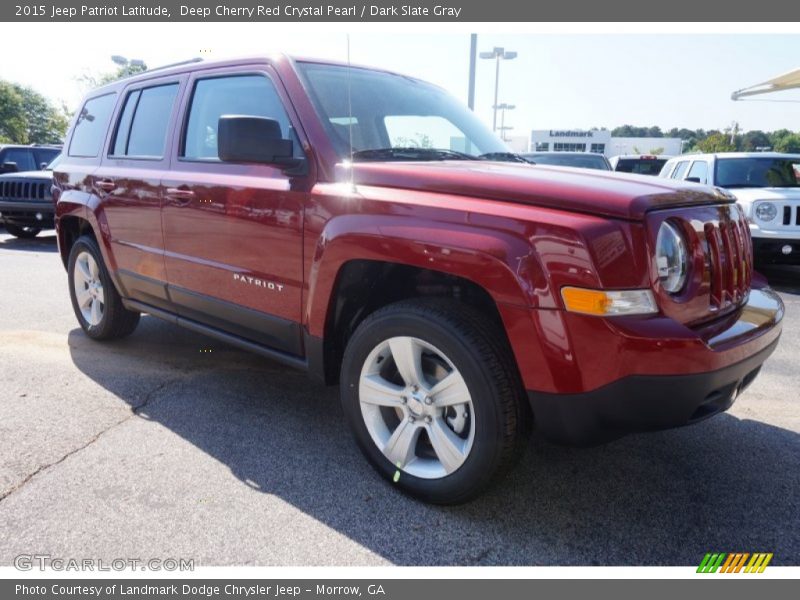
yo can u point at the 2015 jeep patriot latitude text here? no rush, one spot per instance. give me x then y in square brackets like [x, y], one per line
[362, 225]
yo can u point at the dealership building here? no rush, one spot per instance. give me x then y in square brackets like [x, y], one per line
[600, 142]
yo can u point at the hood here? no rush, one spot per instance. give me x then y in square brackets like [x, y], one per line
[605, 193]
[48, 175]
[773, 193]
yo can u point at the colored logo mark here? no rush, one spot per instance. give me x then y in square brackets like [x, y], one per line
[735, 562]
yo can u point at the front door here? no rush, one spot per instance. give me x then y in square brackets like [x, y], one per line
[233, 232]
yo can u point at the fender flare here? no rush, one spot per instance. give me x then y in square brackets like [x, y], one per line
[493, 260]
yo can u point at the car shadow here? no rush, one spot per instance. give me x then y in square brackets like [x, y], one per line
[727, 484]
[41, 243]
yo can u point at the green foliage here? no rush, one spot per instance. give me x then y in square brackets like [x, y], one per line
[420, 140]
[89, 81]
[27, 117]
[631, 131]
[713, 140]
[754, 139]
[716, 142]
[788, 143]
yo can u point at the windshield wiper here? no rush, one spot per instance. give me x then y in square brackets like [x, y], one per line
[504, 157]
[411, 153]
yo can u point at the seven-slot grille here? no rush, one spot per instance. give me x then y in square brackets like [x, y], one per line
[24, 189]
[730, 259]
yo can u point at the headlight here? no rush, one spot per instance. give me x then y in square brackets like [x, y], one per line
[672, 260]
[766, 211]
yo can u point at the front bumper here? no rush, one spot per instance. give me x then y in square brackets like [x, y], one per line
[26, 214]
[776, 251]
[643, 401]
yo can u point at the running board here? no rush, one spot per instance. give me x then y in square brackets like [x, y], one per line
[234, 340]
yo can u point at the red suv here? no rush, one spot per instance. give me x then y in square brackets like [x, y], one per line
[363, 226]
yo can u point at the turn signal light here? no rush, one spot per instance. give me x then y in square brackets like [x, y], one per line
[604, 303]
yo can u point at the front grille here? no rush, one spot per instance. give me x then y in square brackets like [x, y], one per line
[24, 189]
[730, 260]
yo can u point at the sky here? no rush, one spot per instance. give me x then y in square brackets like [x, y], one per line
[558, 80]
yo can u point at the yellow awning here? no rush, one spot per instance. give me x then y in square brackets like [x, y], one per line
[787, 81]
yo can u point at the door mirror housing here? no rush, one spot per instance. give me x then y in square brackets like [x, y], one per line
[693, 179]
[249, 139]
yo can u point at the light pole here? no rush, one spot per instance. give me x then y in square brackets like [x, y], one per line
[473, 47]
[497, 54]
[127, 64]
[504, 107]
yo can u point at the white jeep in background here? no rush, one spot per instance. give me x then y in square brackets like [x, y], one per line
[767, 188]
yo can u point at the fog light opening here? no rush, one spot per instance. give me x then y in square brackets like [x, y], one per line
[787, 249]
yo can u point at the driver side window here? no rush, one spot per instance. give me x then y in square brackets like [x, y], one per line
[250, 95]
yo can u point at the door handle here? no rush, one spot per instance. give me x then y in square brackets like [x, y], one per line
[105, 185]
[180, 195]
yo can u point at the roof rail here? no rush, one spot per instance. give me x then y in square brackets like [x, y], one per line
[196, 59]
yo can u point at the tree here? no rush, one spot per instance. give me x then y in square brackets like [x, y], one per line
[755, 139]
[13, 124]
[89, 81]
[716, 142]
[654, 132]
[776, 137]
[788, 143]
[27, 117]
[420, 140]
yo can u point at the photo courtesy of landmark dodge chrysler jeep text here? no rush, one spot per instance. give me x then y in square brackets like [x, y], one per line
[368, 228]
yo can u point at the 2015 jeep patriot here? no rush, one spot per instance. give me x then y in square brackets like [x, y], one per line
[361, 225]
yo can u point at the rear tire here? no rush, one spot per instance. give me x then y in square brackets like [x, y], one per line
[24, 233]
[95, 300]
[433, 397]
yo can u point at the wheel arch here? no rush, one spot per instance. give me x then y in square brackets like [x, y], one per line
[358, 269]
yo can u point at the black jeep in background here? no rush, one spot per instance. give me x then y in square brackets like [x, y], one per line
[26, 202]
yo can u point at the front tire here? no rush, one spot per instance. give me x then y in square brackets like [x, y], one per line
[95, 300]
[433, 397]
[25, 233]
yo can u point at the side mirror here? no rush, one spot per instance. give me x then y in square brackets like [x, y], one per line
[9, 167]
[247, 139]
[693, 179]
[43, 166]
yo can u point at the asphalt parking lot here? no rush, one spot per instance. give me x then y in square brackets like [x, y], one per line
[168, 444]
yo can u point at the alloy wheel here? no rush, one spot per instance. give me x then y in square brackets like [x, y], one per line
[417, 407]
[89, 288]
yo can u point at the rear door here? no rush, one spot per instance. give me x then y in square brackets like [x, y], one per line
[233, 232]
[129, 185]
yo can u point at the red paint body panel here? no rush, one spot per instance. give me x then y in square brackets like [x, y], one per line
[520, 232]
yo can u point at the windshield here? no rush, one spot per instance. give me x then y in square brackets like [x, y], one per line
[392, 117]
[757, 172]
[583, 161]
[53, 163]
[642, 166]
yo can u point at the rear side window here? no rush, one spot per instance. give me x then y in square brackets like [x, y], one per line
[680, 170]
[251, 95]
[143, 124]
[700, 170]
[91, 127]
